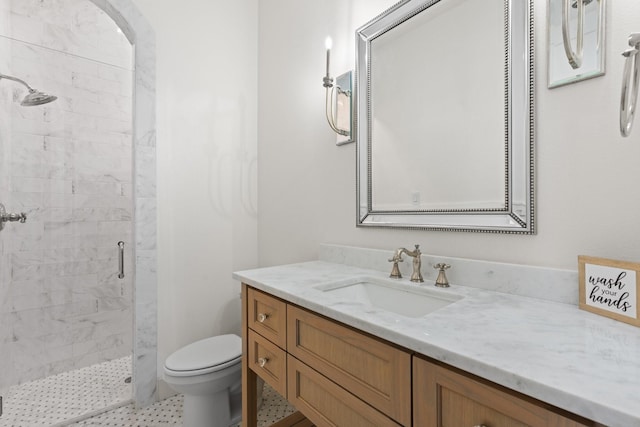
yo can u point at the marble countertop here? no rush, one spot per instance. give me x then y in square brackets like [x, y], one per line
[554, 352]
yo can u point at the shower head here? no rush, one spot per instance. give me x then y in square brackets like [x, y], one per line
[34, 97]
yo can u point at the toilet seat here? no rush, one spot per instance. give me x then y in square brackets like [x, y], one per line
[205, 356]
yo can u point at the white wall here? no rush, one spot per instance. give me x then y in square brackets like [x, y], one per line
[587, 176]
[206, 142]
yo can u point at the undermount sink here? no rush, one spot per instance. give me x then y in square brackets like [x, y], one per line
[403, 299]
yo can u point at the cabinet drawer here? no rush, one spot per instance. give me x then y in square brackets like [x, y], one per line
[443, 397]
[325, 404]
[267, 316]
[376, 372]
[268, 361]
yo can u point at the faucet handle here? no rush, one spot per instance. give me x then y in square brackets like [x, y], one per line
[395, 271]
[442, 281]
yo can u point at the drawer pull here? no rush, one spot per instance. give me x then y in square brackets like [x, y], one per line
[480, 425]
[262, 361]
[262, 317]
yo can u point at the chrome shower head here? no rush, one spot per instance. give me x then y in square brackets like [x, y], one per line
[34, 97]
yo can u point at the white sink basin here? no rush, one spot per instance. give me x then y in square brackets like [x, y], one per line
[403, 299]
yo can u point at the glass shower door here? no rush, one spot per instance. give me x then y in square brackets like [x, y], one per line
[6, 336]
[68, 165]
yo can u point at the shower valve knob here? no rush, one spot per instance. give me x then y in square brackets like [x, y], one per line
[21, 217]
[11, 217]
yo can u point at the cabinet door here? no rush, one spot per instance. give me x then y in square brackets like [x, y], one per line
[326, 404]
[444, 398]
[376, 372]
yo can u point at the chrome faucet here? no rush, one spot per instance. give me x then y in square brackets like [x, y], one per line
[416, 275]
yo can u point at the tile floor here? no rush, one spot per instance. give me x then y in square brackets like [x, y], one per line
[55, 400]
[168, 413]
[70, 398]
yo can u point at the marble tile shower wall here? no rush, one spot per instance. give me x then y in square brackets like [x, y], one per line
[68, 165]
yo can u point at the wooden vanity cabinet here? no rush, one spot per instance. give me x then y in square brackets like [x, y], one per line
[336, 375]
[444, 397]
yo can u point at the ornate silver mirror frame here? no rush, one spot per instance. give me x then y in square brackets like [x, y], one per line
[516, 213]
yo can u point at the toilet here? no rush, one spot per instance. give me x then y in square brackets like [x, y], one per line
[208, 374]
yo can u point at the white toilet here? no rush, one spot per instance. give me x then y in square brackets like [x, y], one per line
[208, 373]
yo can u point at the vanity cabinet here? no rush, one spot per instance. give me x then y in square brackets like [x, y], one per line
[336, 375]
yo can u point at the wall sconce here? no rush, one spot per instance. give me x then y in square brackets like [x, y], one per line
[338, 102]
[630, 79]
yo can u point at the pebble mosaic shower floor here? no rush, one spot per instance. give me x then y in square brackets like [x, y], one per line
[67, 399]
[55, 400]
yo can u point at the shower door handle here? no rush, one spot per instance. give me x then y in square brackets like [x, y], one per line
[121, 260]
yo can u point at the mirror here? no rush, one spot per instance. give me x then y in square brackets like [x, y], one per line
[568, 36]
[444, 116]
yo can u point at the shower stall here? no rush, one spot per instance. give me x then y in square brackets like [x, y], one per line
[66, 182]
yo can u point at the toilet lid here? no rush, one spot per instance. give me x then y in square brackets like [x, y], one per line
[206, 353]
